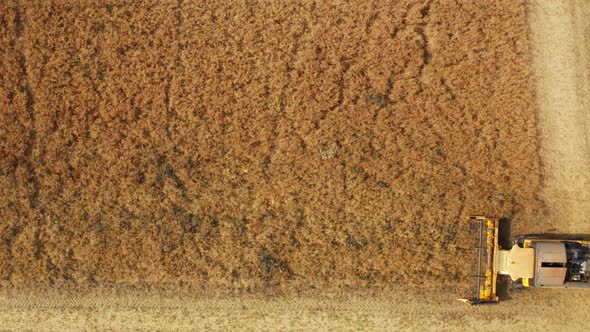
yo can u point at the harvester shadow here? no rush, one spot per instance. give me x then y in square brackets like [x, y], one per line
[504, 287]
[504, 236]
[504, 284]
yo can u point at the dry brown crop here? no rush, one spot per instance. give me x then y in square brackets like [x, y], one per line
[254, 145]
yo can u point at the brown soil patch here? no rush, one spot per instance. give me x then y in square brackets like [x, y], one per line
[252, 145]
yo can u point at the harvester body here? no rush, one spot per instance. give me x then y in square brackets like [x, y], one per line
[543, 260]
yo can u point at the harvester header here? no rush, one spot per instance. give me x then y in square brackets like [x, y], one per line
[484, 288]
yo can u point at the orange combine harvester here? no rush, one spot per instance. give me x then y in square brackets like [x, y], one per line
[535, 260]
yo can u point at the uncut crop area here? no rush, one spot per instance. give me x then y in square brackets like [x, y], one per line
[256, 145]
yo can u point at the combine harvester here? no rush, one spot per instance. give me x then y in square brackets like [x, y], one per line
[536, 260]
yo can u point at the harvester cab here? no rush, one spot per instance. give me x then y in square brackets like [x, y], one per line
[542, 260]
